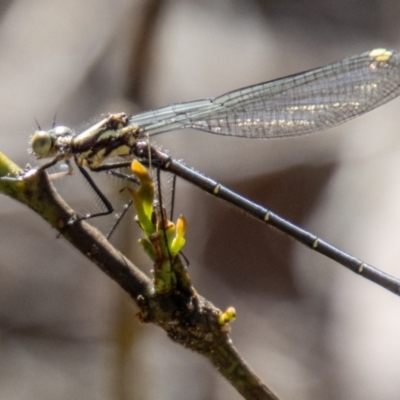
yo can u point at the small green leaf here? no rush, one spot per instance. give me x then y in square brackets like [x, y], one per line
[146, 191]
[179, 240]
[143, 198]
[147, 247]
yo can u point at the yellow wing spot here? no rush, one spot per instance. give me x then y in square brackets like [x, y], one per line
[381, 55]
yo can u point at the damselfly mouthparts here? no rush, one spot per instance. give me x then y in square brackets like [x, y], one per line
[291, 106]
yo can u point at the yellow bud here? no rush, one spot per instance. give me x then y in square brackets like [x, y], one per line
[228, 316]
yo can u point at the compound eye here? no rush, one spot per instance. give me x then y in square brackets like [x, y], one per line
[41, 144]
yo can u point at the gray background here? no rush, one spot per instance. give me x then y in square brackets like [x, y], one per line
[310, 328]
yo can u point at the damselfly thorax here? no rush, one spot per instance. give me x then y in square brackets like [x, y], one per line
[111, 137]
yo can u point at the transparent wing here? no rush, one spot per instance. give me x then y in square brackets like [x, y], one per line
[295, 105]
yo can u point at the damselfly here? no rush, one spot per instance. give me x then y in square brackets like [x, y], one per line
[291, 106]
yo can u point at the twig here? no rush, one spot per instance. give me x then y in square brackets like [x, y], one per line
[187, 318]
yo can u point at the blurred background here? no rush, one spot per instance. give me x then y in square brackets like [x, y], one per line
[309, 327]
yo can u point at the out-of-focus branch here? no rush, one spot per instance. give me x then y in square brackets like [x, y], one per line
[187, 318]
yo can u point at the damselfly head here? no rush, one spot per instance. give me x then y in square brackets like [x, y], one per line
[43, 143]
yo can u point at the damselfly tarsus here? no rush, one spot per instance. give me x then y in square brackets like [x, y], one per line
[292, 106]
